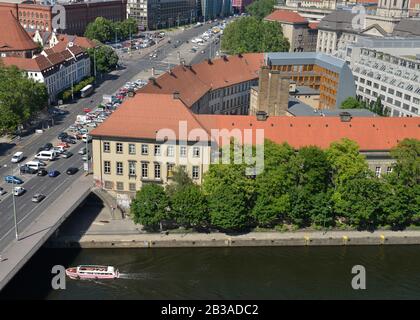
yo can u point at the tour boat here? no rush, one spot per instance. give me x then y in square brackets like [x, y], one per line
[92, 272]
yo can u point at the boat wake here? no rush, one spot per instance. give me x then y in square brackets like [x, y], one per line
[134, 276]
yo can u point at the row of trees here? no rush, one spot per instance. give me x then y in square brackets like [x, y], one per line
[67, 94]
[105, 30]
[104, 58]
[261, 8]
[21, 99]
[249, 34]
[354, 103]
[310, 187]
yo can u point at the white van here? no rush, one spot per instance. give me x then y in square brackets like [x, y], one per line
[34, 165]
[46, 155]
[17, 157]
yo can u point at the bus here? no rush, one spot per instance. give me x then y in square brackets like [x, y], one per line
[86, 91]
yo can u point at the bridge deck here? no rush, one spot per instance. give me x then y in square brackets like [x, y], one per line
[33, 237]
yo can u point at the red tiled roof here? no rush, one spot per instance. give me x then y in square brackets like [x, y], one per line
[193, 82]
[286, 16]
[65, 39]
[21, 63]
[145, 114]
[313, 25]
[13, 36]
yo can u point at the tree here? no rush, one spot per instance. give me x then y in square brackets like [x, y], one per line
[180, 179]
[249, 34]
[378, 107]
[189, 206]
[406, 170]
[105, 56]
[150, 206]
[101, 29]
[20, 99]
[351, 103]
[261, 8]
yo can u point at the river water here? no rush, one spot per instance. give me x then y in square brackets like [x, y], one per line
[227, 273]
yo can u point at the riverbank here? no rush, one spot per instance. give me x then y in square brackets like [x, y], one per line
[252, 239]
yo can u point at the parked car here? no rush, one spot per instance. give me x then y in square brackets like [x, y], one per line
[66, 154]
[82, 151]
[2, 191]
[13, 179]
[42, 172]
[18, 191]
[87, 110]
[72, 170]
[17, 157]
[53, 173]
[63, 144]
[48, 146]
[27, 169]
[62, 135]
[86, 157]
[69, 140]
[38, 197]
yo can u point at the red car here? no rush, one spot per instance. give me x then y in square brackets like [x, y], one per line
[87, 110]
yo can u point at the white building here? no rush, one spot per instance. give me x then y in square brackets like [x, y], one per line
[388, 68]
[58, 70]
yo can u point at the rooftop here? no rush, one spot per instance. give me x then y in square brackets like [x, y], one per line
[13, 36]
[286, 16]
[144, 115]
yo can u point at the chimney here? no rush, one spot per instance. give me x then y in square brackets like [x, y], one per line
[240, 55]
[176, 95]
[153, 80]
[262, 115]
[345, 116]
[225, 58]
[209, 61]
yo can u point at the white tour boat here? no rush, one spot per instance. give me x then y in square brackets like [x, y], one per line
[92, 272]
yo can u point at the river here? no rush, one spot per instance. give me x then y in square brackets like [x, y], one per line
[227, 273]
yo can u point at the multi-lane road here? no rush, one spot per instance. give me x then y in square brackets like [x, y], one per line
[27, 211]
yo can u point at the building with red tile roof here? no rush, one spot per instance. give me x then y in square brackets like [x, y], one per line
[152, 133]
[301, 35]
[14, 40]
[55, 69]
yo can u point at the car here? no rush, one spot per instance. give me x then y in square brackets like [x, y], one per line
[42, 172]
[82, 151]
[62, 135]
[86, 157]
[13, 179]
[27, 169]
[87, 110]
[18, 191]
[66, 154]
[46, 147]
[2, 191]
[17, 157]
[53, 173]
[72, 170]
[38, 197]
[69, 140]
[63, 145]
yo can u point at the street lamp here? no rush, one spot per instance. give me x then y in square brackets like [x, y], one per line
[14, 204]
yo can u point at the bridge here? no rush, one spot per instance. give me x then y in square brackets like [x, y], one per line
[18, 252]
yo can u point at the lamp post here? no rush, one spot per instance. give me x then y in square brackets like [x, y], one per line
[14, 204]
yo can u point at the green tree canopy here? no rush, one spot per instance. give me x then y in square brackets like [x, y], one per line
[20, 98]
[189, 206]
[150, 206]
[406, 170]
[261, 8]
[105, 56]
[180, 179]
[351, 103]
[105, 30]
[248, 34]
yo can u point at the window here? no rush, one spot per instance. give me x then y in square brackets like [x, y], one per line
[388, 170]
[119, 168]
[378, 171]
[131, 168]
[196, 152]
[195, 172]
[144, 149]
[132, 148]
[170, 151]
[183, 151]
[107, 167]
[132, 187]
[157, 150]
[108, 184]
[390, 91]
[145, 170]
[120, 186]
[107, 147]
[119, 147]
[157, 170]
[171, 167]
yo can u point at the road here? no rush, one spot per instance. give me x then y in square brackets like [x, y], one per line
[27, 211]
